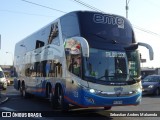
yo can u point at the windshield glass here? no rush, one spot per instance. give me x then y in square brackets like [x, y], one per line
[106, 65]
[133, 63]
[152, 79]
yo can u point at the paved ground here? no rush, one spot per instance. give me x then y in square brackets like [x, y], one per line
[3, 98]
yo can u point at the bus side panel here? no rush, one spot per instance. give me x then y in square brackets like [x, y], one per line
[73, 93]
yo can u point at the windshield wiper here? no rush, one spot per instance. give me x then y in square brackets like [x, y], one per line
[123, 74]
[120, 74]
[90, 78]
[105, 77]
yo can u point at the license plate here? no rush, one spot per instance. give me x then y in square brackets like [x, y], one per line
[118, 102]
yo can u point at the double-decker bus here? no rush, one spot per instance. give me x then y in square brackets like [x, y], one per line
[84, 58]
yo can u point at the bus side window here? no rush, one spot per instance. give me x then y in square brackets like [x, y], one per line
[53, 33]
[53, 69]
[71, 65]
[27, 70]
[40, 69]
[58, 72]
[75, 65]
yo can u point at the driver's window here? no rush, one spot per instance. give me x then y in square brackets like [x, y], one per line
[75, 65]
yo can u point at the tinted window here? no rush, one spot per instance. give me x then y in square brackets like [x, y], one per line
[152, 79]
[69, 25]
[105, 28]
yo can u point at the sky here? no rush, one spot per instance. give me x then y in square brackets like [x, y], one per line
[19, 18]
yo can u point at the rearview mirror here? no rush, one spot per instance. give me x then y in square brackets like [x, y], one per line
[151, 53]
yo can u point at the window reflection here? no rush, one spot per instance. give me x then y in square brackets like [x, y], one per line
[47, 68]
[106, 65]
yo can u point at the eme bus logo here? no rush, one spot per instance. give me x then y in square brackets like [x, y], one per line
[108, 19]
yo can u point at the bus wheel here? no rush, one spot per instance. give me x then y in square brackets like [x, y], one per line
[23, 92]
[53, 101]
[64, 107]
[20, 90]
[107, 108]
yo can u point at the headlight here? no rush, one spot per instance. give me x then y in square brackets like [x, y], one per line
[150, 86]
[91, 90]
[94, 91]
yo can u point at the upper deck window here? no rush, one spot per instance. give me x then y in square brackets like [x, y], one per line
[97, 27]
[53, 35]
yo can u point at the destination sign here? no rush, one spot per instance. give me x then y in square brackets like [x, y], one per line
[115, 54]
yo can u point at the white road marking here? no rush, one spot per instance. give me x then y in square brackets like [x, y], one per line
[7, 109]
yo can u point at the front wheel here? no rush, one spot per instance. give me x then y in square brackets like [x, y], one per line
[107, 108]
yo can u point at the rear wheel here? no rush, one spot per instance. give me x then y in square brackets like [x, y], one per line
[52, 99]
[64, 106]
[23, 92]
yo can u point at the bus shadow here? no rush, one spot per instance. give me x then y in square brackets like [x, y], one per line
[74, 111]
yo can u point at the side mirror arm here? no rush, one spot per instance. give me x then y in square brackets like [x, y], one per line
[151, 53]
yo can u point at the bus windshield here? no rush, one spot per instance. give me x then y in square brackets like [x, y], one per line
[104, 65]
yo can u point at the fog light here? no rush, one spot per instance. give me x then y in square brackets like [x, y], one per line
[90, 100]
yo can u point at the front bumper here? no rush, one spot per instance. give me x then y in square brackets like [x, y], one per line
[101, 101]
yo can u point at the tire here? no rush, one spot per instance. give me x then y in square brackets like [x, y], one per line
[20, 90]
[107, 108]
[23, 92]
[53, 101]
[51, 97]
[64, 107]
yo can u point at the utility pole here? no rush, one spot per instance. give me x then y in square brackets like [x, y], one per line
[127, 2]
